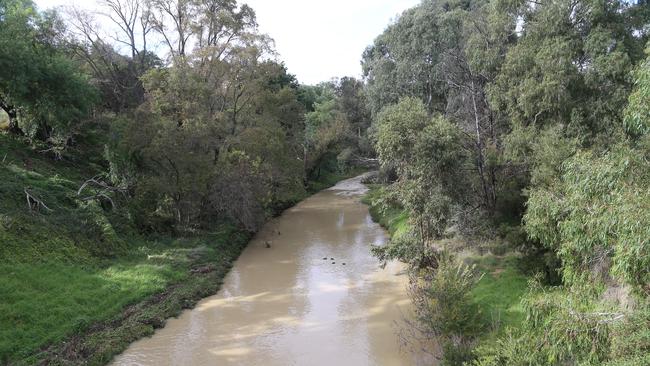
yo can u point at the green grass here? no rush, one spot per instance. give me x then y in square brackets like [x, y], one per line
[499, 292]
[43, 303]
[147, 291]
[70, 231]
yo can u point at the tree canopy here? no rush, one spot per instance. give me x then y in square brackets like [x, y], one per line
[525, 122]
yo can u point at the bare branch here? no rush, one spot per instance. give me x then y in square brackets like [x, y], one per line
[34, 203]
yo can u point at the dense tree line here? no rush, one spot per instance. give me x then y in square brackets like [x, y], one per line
[195, 119]
[524, 120]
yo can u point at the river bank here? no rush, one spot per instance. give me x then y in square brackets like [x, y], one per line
[199, 265]
[206, 265]
[497, 295]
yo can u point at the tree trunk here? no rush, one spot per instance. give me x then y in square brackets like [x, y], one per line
[480, 159]
[304, 164]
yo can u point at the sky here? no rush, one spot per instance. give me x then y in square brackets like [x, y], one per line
[316, 39]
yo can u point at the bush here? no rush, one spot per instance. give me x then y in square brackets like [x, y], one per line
[631, 339]
[444, 309]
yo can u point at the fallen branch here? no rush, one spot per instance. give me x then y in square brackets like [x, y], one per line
[34, 203]
[96, 183]
[101, 188]
[99, 195]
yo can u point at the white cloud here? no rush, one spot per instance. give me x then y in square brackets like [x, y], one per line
[317, 39]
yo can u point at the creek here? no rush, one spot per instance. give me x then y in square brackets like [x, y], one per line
[306, 291]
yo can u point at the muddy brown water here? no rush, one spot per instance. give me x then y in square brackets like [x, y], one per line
[287, 305]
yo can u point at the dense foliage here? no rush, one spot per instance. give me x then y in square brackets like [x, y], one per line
[41, 91]
[213, 129]
[526, 123]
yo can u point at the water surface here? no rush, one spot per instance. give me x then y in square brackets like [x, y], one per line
[315, 297]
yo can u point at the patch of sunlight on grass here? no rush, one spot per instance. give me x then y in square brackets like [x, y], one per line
[400, 224]
[141, 277]
[42, 303]
[499, 292]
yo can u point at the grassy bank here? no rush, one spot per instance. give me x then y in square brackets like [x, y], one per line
[392, 218]
[70, 314]
[497, 295]
[79, 283]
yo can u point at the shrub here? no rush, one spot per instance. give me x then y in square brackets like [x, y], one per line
[574, 328]
[444, 310]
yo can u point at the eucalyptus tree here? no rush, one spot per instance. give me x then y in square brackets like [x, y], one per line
[594, 214]
[402, 61]
[570, 67]
[352, 102]
[534, 110]
[116, 57]
[218, 135]
[445, 54]
[325, 127]
[428, 156]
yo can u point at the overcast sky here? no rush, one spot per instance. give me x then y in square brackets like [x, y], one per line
[317, 39]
